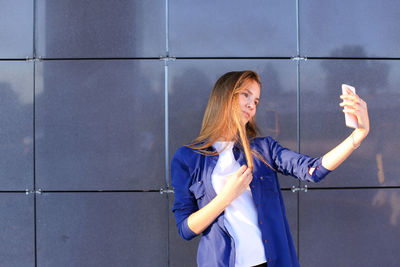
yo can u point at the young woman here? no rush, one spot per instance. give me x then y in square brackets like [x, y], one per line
[226, 185]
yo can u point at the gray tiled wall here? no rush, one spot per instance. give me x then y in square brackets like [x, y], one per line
[90, 117]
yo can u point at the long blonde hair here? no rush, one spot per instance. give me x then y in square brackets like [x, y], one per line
[222, 118]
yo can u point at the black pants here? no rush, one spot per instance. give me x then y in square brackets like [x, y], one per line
[262, 265]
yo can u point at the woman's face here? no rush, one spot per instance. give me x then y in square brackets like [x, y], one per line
[248, 100]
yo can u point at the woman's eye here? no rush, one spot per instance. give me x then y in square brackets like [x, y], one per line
[256, 103]
[245, 94]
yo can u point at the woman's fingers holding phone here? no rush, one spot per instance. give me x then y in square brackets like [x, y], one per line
[352, 101]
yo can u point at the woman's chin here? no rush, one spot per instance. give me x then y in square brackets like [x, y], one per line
[245, 120]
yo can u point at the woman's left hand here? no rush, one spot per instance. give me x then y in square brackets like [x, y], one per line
[353, 105]
[358, 107]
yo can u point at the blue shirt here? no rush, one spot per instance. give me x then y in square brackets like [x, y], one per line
[191, 179]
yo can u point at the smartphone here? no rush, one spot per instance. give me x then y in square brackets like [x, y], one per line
[350, 119]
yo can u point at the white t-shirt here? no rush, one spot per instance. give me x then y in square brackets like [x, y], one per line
[241, 215]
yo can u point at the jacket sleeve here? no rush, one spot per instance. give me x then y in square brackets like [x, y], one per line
[295, 164]
[185, 202]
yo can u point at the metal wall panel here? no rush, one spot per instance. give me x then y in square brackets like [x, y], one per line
[102, 229]
[354, 28]
[17, 230]
[350, 227]
[16, 125]
[375, 163]
[16, 28]
[100, 28]
[232, 28]
[93, 130]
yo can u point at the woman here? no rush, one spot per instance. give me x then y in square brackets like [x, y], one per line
[226, 185]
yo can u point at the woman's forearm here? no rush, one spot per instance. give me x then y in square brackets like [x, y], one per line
[202, 218]
[357, 107]
[341, 152]
[234, 187]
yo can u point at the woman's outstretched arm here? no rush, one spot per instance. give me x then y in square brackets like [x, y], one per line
[356, 106]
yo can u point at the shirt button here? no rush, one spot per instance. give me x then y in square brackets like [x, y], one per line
[269, 259]
[252, 186]
[261, 178]
[257, 205]
[260, 222]
[265, 240]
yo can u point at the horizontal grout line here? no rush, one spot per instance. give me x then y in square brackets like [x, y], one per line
[89, 191]
[291, 58]
[233, 58]
[102, 191]
[202, 58]
[345, 188]
[353, 187]
[78, 59]
[159, 190]
[107, 58]
[13, 59]
[143, 58]
[353, 58]
[13, 191]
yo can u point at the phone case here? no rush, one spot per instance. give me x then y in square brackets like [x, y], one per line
[350, 119]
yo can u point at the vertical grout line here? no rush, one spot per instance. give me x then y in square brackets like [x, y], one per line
[166, 96]
[166, 139]
[166, 120]
[298, 119]
[34, 103]
[298, 75]
[34, 30]
[297, 29]
[34, 161]
[35, 229]
[34, 129]
[166, 28]
[298, 149]
[168, 236]
[298, 225]
[166, 148]
[34, 153]
[298, 104]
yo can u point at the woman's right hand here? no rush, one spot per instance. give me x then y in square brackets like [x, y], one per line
[237, 183]
[234, 187]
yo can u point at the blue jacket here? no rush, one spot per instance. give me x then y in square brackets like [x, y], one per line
[191, 179]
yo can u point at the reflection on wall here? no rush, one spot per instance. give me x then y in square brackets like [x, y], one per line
[16, 134]
[388, 198]
[368, 76]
